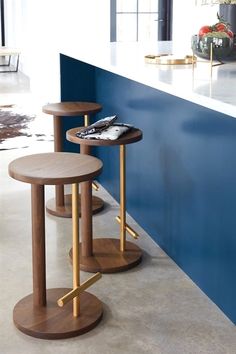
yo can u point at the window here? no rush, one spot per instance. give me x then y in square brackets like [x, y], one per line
[2, 19]
[140, 20]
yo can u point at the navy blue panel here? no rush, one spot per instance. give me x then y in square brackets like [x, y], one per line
[181, 184]
[77, 84]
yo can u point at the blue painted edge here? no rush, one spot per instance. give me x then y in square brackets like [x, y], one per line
[180, 179]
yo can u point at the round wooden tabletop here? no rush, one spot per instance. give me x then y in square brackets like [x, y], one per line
[55, 168]
[130, 137]
[72, 108]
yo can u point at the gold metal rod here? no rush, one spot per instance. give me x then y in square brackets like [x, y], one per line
[129, 229]
[122, 199]
[75, 292]
[86, 120]
[211, 58]
[95, 186]
[75, 247]
[67, 297]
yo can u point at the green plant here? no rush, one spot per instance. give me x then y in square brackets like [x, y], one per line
[227, 2]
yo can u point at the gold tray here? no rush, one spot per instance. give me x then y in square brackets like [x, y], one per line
[169, 59]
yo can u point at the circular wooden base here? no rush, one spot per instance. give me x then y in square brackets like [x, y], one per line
[53, 322]
[107, 257]
[65, 211]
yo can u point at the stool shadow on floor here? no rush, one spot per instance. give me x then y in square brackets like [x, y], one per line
[106, 318]
[151, 261]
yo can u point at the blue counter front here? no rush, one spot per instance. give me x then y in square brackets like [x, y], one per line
[181, 178]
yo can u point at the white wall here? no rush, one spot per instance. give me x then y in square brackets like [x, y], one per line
[188, 19]
[40, 27]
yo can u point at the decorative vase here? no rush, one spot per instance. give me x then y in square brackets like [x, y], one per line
[228, 12]
[224, 49]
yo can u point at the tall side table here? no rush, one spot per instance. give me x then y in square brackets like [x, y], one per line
[55, 313]
[108, 255]
[61, 204]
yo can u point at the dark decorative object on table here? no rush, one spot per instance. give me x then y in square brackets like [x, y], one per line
[228, 12]
[220, 35]
[223, 48]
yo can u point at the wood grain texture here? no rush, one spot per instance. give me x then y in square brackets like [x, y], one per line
[54, 322]
[57, 129]
[65, 211]
[107, 257]
[130, 137]
[59, 195]
[86, 219]
[38, 245]
[55, 168]
[70, 109]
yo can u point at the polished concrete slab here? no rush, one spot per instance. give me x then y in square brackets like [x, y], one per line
[153, 308]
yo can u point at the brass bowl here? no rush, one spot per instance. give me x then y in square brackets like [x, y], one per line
[169, 59]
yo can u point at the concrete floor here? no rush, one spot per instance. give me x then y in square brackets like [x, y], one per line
[153, 308]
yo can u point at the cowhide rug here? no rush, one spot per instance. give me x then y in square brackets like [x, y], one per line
[19, 129]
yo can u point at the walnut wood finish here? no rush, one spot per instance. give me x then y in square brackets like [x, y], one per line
[55, 168]
[107, 257]
[54, 322]
[38, 314]
[86, 215]
[59, 189]
[38, 245]
[130, 137]
[65, 210]
[60, 206]
[86, 219]
[72, 109]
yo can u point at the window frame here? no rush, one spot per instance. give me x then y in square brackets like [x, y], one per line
[164, 14]
[2, 19]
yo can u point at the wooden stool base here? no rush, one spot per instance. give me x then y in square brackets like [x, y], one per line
[107, 257]
[65, 211]
[53, 322]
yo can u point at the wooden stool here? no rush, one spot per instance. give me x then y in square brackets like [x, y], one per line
[108, 255]
[39, 314]
[61, 205]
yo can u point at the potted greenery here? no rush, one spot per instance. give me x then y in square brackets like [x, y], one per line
[220, 36]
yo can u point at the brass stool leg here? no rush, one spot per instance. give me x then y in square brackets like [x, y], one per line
[122, 217]
[77, 288]
[122, 199]
[86, 120]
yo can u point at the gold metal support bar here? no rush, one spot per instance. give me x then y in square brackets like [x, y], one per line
[75, 248]
[211, 58]
[95, 186]
[122, 199]
[86, 120]
[75, 292]
[129, 229]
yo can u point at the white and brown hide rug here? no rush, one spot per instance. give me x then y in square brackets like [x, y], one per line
[20, 129]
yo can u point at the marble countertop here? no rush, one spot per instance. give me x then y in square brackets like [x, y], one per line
[216, 91]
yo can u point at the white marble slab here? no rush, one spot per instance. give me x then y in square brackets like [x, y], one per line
[217, 92]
